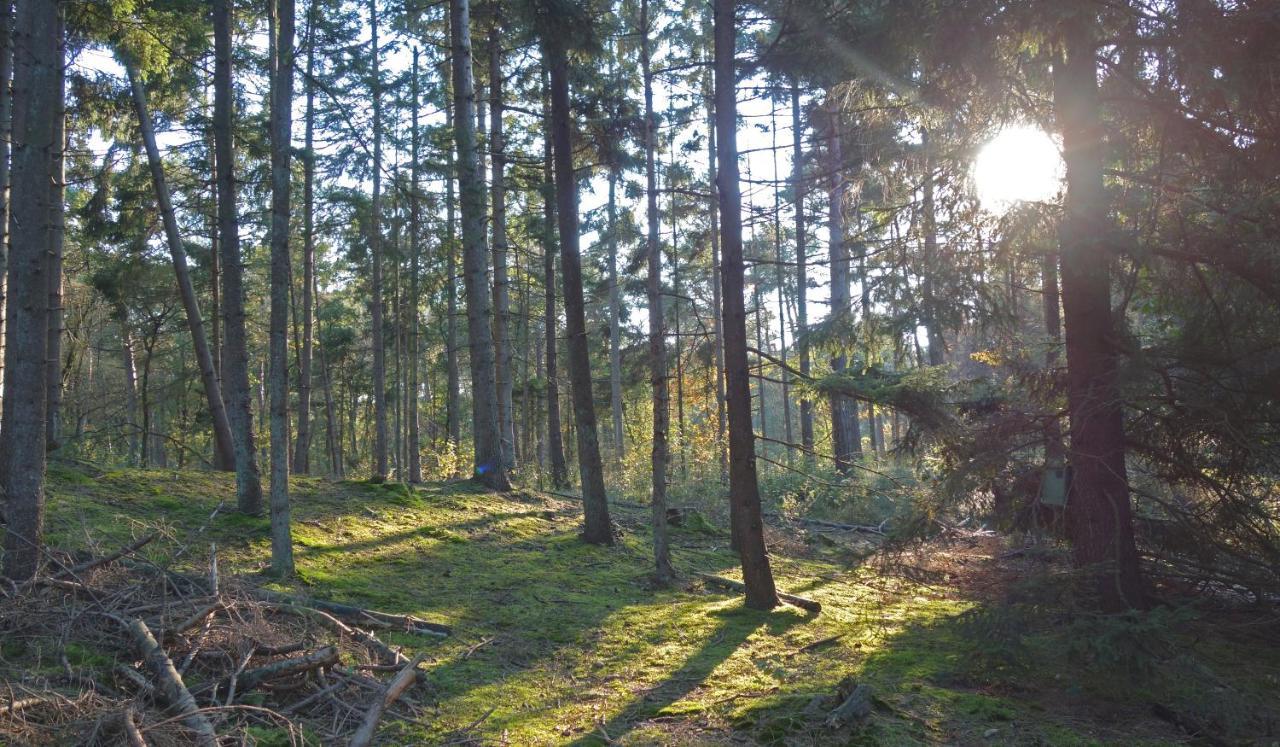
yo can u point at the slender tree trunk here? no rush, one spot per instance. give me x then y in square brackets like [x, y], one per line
[235, 359]
[717, 325]
[302, 442]
[22, 460]
[845, 438]
[1099, 516]
[657, 324]
[415, 248]
[501, 290]
[555, 443]
[375, 251]
[489, 467]
[677, 291]
[615, 323]
[130, 384]
[57, 242]
[598, 528]
[744, 491]
[224, 445]
[453, 406]
[802, 277]
[781, 279]
[6, 127]
[1054, 451]
[281, 280]
[929, 226]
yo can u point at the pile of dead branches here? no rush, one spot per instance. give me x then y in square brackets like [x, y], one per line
[120, 650]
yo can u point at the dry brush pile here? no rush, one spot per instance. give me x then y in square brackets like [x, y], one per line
[121, 650]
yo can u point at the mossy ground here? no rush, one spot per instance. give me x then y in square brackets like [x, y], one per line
[559, 642]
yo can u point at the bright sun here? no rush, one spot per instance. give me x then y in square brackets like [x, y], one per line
[1020, 164]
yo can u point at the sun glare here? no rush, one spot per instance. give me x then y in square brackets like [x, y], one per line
[1020, 164]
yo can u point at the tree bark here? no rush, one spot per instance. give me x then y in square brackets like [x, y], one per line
[555, 444]
[489, 467]
[744, 491]
[1099, 516]
[22, 460]
[281, 280]
[501, 290]
[235, 358]
[657, 324]
[598, 528]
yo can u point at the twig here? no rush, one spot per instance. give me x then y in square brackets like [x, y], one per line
[397, 686]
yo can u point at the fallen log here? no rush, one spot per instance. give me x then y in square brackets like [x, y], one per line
[801, 602]
[169, 683]
[404, 623]
[396, 688]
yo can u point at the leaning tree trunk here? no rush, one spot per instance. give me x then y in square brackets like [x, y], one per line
[598, 528]
[22, 461]
[555, 444]
[657, 325]
[281, 279]
[489, 467]
[375, 258]
[224, 445]
[501, 289]
[235, 353]
[1099, 517]
[744, 491]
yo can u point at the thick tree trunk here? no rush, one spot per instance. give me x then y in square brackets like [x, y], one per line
[22, 460]
[375, 252]
[235, 358]
[224, 445]
[302, 440]
[414, 446]
[281, 280]
[846, 440]
[657, 324]
[501, 290]
[615, 323]
[555, 442]
[57, 242]
[744, 491]
[802, 273]
[1099, 516]
[598, 528]
[489, 467]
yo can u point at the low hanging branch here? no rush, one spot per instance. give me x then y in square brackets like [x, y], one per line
[395, 688]
[801, 602]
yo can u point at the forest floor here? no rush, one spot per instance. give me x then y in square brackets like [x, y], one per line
[559, 642]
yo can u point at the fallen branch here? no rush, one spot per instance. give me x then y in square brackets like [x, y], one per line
[169, 682]
[792, 599]
[396, 688]
[196, 618]
[131, 733]
[14, 706]
[405, 623]
[89, 565]
[252, 678]
[341, 628]
[864, 528]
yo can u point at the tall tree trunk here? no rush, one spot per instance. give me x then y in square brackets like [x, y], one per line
[846, 440]
[802, 277]
[744, 491]
[929, 226]
[453, 400]
[415, 248]
[375, 251]
[781, 280]
[235, 358]
[281, 280]
[555, 442]
[57, 242]
[224, 446]
[717, 321]
[615, 322]
[489, 467]
[1099, 517]
[1054, 451]
[501, 290]
[657, 324]
[598, 529]
[22, 460]
[302, 439]
[6, 128]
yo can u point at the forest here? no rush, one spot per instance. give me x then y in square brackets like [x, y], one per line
[630, 372]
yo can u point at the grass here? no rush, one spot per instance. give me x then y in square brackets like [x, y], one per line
[559, 642]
